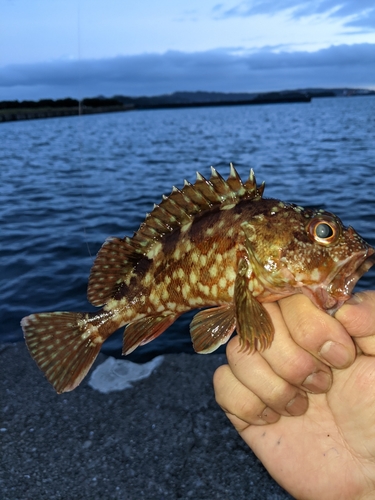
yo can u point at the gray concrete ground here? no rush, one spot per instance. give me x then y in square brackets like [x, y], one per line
[165, 438]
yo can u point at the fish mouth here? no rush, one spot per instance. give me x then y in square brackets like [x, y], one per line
[332, 294]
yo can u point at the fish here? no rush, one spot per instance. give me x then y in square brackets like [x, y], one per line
[216, 245]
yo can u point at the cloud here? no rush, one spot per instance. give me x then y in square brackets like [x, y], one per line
[367, 20]
[359, 13]
[216, 70]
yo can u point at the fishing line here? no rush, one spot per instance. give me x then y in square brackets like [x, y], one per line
[80, 125]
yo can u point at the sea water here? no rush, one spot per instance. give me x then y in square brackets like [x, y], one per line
[69, 183]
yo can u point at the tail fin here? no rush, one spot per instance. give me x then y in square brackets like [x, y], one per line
[64, 346]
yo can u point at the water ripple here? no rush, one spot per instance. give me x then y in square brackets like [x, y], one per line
[68, 183]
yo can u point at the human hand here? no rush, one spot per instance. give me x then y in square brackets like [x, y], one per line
[329, 451]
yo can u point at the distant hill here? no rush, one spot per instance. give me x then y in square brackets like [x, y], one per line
[190, 99]
[200, 97]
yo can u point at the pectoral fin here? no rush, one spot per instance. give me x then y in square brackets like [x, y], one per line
[254, 325]
[212, 327]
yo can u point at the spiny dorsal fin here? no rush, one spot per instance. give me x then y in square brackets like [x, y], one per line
[180, 207]
[118, 257]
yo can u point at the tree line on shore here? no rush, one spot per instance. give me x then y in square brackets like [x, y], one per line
[59, 103]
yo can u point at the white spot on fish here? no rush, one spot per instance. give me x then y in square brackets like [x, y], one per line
[315, 274]
[154, 250]
[154, 298]
[195, 301]
[228, 207]
[204, 288]
[230, 274]
[260, 217]
[213, 271]
[85, 335]
[298, 209]
[180, 273]
[222, 283]
[193, 278]
[185, 290]
[194, 257]
[177, 253]
[94, 341]
[186, 227]
[249, 231]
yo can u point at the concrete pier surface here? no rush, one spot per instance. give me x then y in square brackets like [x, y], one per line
[165, 438]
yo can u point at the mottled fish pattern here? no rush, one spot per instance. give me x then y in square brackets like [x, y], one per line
[216, 245]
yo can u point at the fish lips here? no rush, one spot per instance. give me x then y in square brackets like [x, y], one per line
[341, 287]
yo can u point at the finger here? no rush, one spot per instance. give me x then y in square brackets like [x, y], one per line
[253, 371]
[241, 406]
[358, 317]
[293, 363]
[317, 332]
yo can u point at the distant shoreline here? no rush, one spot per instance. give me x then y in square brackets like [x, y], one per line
[48, 108]
[34, 114]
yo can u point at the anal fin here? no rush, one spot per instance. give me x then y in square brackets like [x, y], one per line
[212, 327]
[254, 325]
[144, 330]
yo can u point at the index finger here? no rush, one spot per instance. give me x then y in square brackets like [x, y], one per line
[317, 332]
[358, 317]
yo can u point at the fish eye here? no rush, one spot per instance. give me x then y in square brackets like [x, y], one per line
[324, 229]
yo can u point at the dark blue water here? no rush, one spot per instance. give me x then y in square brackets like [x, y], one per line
[69, 183]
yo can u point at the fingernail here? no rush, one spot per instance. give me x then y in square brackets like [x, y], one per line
[318, 382]
[336, 354]
[269, 416]
[297, 406]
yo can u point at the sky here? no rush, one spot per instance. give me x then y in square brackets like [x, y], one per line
[85, 48]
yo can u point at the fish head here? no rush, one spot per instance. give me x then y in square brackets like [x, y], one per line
[307, 251]
[348, 257]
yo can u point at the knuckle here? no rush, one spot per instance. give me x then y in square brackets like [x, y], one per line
[250, 410]
[297, 367]
[280, 395]
[309, 331]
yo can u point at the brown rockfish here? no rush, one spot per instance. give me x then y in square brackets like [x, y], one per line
[218, 245]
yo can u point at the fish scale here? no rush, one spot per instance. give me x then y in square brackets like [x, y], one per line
[217, 245]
